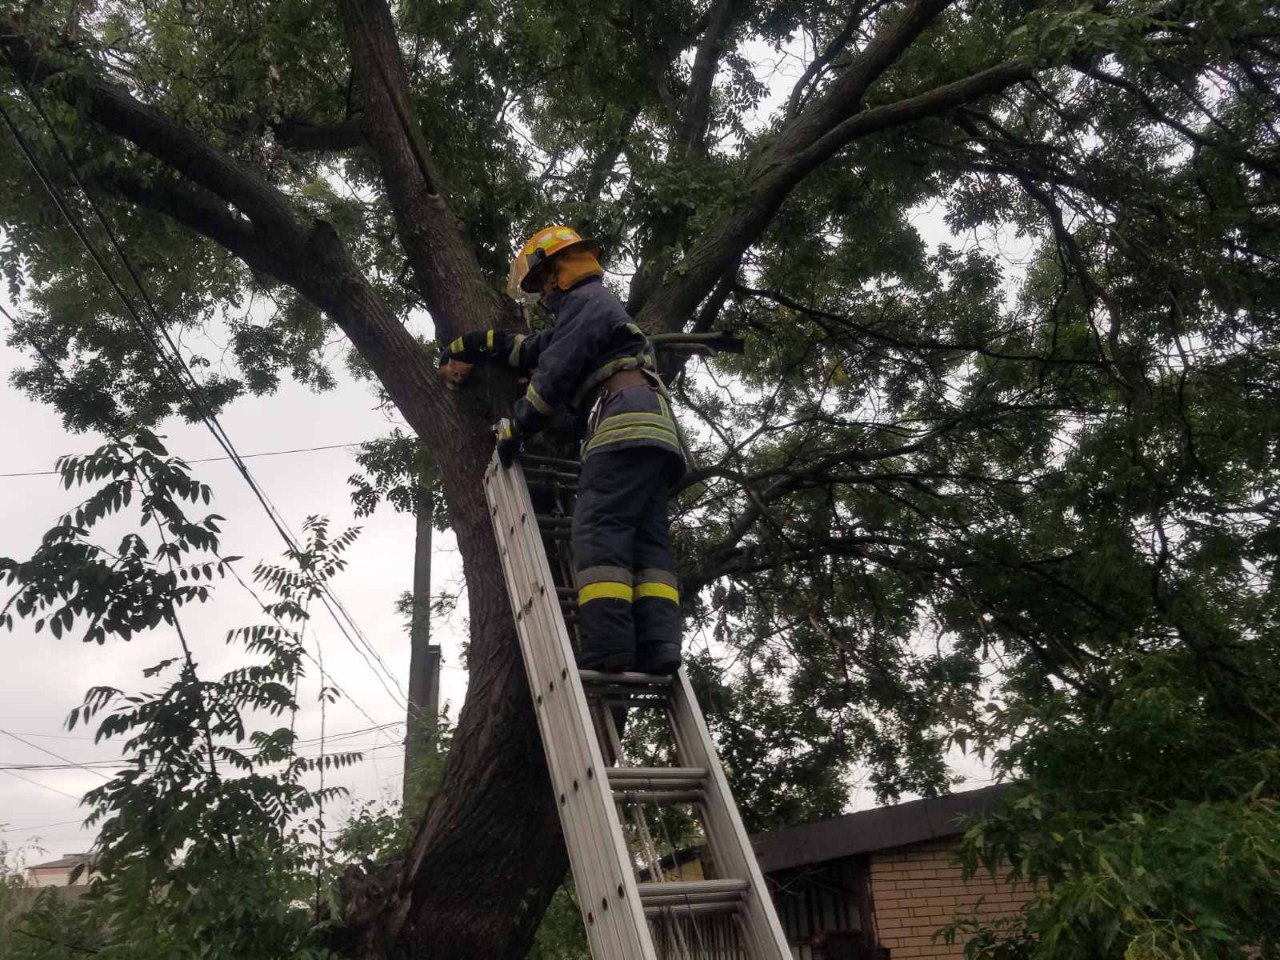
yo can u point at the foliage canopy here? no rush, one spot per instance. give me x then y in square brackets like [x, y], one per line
[998, 468]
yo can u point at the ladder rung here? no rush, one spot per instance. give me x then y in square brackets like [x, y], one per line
[594, 678]
[691, 910]
[691, 897]
[657, 773]
[552, 521]
[556, 462]
[625, 689]
[690, 888]
[671, 795]
[658, 784]
[544, 476]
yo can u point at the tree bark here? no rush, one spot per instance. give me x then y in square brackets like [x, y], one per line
[488, 855]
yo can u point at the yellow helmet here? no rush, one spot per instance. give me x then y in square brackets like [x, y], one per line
[537, 250]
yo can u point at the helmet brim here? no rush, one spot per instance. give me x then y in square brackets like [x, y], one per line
[533, 278]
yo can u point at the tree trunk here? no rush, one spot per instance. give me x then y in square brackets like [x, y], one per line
[488, 854]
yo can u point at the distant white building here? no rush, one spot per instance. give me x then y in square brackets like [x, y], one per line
[57, 873]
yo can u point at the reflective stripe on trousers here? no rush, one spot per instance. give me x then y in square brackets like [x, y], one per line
[627, 591]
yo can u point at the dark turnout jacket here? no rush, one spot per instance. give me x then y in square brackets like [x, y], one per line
[592, 339]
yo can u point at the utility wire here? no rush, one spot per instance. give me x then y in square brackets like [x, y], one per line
[94, 766]
[243, 456]
[54, 366]
[175, 366]
[235, 574]
[39, 826]
[44, 786]
[346, 734]
[36, 746]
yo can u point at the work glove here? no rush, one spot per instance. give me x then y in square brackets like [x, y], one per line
[479, 345]
[527, 419]
[509, 443]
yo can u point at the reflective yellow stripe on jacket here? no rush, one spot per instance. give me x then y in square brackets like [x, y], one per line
[623, 427]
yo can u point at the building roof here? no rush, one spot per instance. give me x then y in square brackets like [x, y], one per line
[869, 830]
[65, 862]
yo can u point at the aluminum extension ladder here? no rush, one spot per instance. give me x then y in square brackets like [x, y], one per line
[636, 903]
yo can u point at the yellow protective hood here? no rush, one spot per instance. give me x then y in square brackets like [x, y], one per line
[575, 264]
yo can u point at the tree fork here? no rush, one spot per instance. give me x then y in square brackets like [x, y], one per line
[488, 855]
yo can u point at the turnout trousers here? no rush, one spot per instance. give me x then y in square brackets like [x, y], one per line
[628, 597]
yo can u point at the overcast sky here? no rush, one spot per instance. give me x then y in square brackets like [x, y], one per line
[44, 678]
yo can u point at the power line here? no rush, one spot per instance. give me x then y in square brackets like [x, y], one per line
[43, 786]
[331, 737]
[53, 365]
[243, 456]
[94, 766]
[176, 367]
[235, 574]
[51, 753]
[38, 826]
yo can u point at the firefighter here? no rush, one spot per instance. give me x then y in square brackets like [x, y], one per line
[596, 363]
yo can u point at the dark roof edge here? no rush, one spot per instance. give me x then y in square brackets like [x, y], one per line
[880, 828]
[67, 860]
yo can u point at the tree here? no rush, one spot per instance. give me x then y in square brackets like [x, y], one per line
[917, 478]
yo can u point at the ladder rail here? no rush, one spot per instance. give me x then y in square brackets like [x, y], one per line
[566, 755]
[577, 830]
[608, 893]
[617, 908]
[726, 835]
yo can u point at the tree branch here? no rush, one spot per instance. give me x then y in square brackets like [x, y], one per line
[775, 170]
[444, 263]
[178, 146]
[1234, 151]
[846, 93]
[928, 104]
[230, 203]
[306, 137]
[785, 162]
[925, 344]
[199, 211]
[691, 137]
[812, 73]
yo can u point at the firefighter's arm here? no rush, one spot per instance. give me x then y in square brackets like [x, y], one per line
[482, 345]
[515, 349]
[457, 359]
[561, 366]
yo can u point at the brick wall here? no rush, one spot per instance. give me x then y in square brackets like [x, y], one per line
[918, 889]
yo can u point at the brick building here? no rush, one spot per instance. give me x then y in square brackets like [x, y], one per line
[881, 882]
[918, 889]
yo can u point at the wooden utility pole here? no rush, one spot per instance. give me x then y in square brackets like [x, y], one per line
[424, 656]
